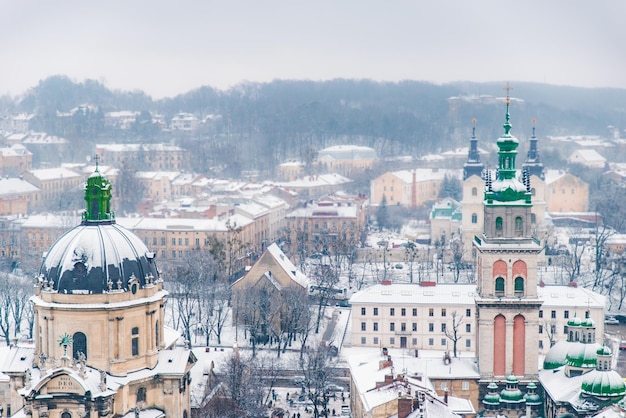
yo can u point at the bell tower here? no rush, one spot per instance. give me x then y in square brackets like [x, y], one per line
[507, 254]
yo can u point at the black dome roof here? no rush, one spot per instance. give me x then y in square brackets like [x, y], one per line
[96, 257]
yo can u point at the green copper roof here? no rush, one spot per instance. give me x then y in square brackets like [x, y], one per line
[507, 187]
[98, 198]
[511, 393]
[604, 384]
[583, 355]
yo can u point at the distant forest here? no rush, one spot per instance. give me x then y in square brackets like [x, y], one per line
[264, 124]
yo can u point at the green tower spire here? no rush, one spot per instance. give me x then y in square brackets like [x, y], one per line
[506, 187]
[98, 197]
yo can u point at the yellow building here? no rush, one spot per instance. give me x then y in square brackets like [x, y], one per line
[144, 156]
[409, 188]
[564, 192]
[54, 183]
[100, 344]
[347, 160]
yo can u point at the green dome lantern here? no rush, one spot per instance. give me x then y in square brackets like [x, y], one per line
[98, 197]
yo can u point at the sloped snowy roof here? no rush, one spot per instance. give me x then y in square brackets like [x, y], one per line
[15, 186]
[286, 264]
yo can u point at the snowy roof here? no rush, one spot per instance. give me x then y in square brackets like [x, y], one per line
[464, 294]
[184, 224]
[136, 147]
[413, 293]
[324, 211]
[426, 174]
[347, 152]
[53, 173]
[16, 359]
[590, 155]
[15, 186]
[317, 180]
[286, 264]
[14, 150]
[40, 138]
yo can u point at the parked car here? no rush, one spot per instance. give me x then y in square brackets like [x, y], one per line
[611, 320]
[622, 345]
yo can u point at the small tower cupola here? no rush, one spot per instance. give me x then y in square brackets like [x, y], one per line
[473, 166]
[98, 197]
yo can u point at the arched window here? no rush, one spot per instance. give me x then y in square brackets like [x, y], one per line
[79, 344]
[474, 191]
[518, 224]
[135, 341]
[66, 415]
[474, 218]
[498, 224]
[499, 285]
[141, 395]
[519, 285]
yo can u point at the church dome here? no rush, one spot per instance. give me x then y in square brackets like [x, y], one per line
[604, 384]
[583, 355]
[574, 322]
[98, 255]
[557, 356]
[512, 393]
[532, 398]
[492, 398]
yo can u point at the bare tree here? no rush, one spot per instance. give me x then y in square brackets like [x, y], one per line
[318, 370]
[549, 327]
[453, 332]
[457, 249]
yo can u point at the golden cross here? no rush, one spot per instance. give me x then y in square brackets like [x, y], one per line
[507, 88]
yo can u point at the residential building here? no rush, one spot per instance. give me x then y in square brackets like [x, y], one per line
[587, 157]
[291, 170]
[564, 192]
[55, 183]
[347, 160]
[315, 186]
[17, 196]
[14, 160]
[154, 157]
[409, 188]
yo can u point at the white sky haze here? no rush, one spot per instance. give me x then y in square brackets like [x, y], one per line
[166, 48]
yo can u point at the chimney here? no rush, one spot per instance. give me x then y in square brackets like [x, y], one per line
[445, 397]
[388, 379]
[405, 407]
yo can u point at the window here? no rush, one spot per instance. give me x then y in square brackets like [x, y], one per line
[414, 326]
[141, 395]
[468, 327]
[66, 415]
[565, 330]
[565, 314]
[465, 385]
[180, 241]
[498, 224]
[186, 241]
[474, 191]
[414, 341]
[431, 341]
[392, 326]
[553, 314]
[403, 312]
[443, 327]
[519, 285]
[197, 242]
[443, 341]
[540, 314]
[173, 241]
[431, 327]
[499, 285]
[157, 334]
[587, 315]
[154, 241]
[375, 326]
[474, 218]
[392, 340]
[135, 341]
[540, 329]
[403, 326]
[468, 312]
[431, 312]
[79, 344]
[363, 326]
[414, 311]
[540, 344]
[375, 311]
[518, 224]
[363, 340]
[443, 311]
[375, 340]
[362, 311]
[392, 311]
[468, 343]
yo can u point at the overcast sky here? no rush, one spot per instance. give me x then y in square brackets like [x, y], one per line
[169, 47]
